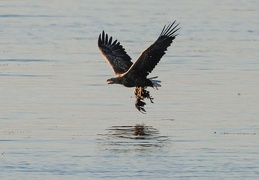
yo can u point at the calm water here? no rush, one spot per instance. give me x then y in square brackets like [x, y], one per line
[59, 118]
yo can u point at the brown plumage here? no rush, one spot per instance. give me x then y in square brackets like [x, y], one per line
[135, 75]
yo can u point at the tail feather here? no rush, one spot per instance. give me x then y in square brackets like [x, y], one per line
[155, 82]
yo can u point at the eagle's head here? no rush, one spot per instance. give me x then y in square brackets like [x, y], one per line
[112, 81]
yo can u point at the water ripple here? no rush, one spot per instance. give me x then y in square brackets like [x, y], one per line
[132, 139]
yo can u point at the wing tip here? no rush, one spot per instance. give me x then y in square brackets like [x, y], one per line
[101, 38]
[105, 39]
[169, 30]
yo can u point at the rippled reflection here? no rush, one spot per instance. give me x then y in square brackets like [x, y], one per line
[132, 138]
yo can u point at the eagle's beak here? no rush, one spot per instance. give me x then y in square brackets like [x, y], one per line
[109, 81]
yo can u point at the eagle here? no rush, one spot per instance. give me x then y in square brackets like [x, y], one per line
[135, 74]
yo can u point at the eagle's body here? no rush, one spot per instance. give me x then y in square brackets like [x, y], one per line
[131, 81]
[135, 75]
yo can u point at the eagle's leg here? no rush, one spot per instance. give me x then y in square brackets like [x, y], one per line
[139, 93]
[142, 93]
[139, 104]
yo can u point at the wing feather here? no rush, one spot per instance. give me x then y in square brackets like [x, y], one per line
[152, 55]
[114, 53]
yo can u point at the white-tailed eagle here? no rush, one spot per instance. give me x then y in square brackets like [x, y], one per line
[135, 75]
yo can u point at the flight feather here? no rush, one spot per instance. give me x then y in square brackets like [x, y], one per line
[114, 53]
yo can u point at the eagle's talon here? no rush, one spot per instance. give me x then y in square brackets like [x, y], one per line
[140, 105]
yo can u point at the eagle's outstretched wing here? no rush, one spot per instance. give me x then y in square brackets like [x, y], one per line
[152, 55]
[114, 53]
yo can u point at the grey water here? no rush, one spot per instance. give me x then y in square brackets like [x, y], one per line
[59, 118]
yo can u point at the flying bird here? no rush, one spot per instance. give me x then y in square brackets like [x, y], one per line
[135, 74]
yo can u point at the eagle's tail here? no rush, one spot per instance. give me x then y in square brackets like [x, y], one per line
[155, 82]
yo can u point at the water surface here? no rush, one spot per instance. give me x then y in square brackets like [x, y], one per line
[59, 118]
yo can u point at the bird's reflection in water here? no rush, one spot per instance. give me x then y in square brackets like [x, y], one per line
[132, 139]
